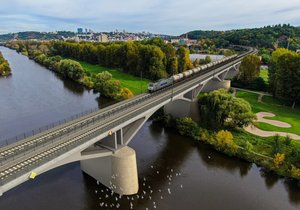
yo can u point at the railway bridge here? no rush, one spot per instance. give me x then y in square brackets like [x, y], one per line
[99, 140]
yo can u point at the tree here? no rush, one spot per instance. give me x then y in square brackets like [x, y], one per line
[186, 126]
[71, 69]
[107, 87]
[184, 61]
[172, 62]
[219, 109]
[196, 63]
[249, 68]
[276, 144]
[224, 141]
[207, 59]
[124, 94]
[287, 77]
[5, 69]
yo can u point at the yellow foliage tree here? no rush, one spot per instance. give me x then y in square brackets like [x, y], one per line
[224, 140]
[295, 172]
[278, 159]
[124, 94]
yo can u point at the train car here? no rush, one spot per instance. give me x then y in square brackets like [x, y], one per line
[160, 84]
[186, 73]
[176, 78]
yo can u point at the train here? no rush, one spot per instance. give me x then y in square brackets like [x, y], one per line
[162, 83]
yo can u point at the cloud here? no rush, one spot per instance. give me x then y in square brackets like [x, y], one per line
[159, 16]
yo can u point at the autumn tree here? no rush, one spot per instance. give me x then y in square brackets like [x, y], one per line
[224, 141]
[5, 69]
[184, 61]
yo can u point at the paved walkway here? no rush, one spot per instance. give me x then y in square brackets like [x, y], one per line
[258, 132]
[260, 118]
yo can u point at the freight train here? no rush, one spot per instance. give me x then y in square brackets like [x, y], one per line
[162, 83]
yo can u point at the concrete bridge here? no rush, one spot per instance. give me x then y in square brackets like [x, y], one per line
[99, 140]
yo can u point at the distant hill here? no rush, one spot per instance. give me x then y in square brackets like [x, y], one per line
[268, 37]
[29, 35]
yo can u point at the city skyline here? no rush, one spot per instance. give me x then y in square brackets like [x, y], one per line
[156, 16]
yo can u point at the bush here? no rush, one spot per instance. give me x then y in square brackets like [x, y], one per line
[88, 82]
[287, 141]
[224, 141]
[187, 127]
[124, 94]
[258, 84]
[295, 172]
[278, 159]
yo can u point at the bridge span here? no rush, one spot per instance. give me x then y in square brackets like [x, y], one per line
[99, 140]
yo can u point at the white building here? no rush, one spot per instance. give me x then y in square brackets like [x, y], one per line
[103, 38]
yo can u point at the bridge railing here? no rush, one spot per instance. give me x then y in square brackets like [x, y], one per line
[39, 130]
[73, 143]
[59, 135]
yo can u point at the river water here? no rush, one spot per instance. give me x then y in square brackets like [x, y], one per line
[174, 172]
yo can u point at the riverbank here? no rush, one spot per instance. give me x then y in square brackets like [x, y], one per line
[135, 84]
[5, 69]
[102, 81]
[278, 154]
[238, 143]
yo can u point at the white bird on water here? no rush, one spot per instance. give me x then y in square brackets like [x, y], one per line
[169, 190]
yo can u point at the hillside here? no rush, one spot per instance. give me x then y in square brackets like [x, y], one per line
[268, 36]
[29, 35]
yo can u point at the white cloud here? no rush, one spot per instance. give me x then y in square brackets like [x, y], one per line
[163, 16]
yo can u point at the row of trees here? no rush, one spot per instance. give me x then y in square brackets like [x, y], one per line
[4, 66]
[102, 82]
[153, 58]
[284, 75]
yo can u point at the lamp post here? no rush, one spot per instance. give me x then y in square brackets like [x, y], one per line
[141, 81]
[172, 84]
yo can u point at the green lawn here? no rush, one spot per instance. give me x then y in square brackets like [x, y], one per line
[127, 81]
[264, 73]
[269, 104]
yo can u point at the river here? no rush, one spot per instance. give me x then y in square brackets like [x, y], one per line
[174, 172]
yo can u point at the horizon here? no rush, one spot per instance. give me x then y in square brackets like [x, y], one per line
[75, 30]
[158, 17]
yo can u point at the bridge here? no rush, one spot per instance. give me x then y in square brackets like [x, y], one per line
[99, 140]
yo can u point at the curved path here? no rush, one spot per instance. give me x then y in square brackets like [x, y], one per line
[260, 118]
[258, 132]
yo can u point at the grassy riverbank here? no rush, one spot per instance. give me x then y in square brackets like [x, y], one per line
[269, 104]
[135, 84]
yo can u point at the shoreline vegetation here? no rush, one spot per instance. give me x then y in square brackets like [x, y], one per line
[116, 70]
[5, 69]
[277, 154]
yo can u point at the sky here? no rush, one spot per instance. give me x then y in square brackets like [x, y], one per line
[173, 17]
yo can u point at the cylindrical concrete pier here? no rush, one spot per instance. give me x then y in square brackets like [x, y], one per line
[117, 172]
[124, 171]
